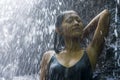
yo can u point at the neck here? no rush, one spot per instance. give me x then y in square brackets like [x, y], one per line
[72, 44]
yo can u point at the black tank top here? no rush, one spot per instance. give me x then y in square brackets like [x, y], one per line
[80, 71]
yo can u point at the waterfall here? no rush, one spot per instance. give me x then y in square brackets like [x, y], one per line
[117, 55]
[26, 32]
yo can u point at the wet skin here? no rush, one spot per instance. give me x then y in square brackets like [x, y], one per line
[72, 25]
[72, 30]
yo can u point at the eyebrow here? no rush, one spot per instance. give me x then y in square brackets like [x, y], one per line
[77, 17]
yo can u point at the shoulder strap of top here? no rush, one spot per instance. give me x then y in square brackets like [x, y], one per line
[50, 56]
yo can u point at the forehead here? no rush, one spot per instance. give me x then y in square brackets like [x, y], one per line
[71, 15]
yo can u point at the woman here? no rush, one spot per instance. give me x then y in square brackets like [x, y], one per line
[70, 61]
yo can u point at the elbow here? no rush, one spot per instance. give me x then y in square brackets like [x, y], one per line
[106, 12]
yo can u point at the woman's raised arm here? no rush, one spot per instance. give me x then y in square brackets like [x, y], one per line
[101, 25]
[101, 31]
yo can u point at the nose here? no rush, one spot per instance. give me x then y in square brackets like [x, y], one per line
[75, 22]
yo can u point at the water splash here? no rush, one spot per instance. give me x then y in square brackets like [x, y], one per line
[116, 33]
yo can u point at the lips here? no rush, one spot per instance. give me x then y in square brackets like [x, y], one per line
[77, 28]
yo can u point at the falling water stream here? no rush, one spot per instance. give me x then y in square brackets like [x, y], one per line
[26, 32]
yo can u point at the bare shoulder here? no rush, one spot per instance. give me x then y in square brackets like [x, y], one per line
[48, 54]
[44, 63]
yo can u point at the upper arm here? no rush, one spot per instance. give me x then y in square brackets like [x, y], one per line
[44, 64]
[100, 32]
[43, 67]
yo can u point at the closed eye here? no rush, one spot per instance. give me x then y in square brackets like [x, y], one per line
[69, 20]
[78, 20]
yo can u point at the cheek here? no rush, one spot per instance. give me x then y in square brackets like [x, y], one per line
[66, 30]
[81, 25]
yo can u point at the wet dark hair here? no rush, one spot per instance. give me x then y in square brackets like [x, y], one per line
[59, 43]
[58, 38]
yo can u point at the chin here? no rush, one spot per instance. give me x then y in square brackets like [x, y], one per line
[76, 35]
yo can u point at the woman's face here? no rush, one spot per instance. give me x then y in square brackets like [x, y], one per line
[72, 25]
